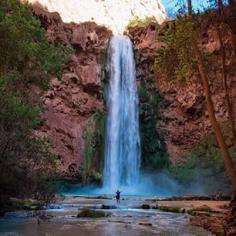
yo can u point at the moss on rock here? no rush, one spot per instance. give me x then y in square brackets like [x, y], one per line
[146, 206]
[137, 22]
[92, 213]
[171, 209]
[93, 149]
[154, 154]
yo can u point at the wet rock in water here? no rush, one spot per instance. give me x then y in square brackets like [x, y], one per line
[103, 197]
[107, 207]
[156, 207]
[92, 213]
[145, 223]
[171, 209]
[145, 206]
[182, 210]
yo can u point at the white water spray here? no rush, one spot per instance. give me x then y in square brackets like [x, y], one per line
[122, 150]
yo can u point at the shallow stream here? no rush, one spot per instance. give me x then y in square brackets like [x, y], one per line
[127, 219]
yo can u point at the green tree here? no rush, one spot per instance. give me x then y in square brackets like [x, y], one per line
[27, 166]
[25, 161]
[24, 47]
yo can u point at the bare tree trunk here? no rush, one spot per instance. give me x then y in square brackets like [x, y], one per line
[210, 107]
[220, 4]
[190, 9]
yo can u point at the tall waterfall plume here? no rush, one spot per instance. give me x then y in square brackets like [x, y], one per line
[122, 149]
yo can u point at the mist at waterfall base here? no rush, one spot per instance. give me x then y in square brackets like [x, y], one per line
[150, 184]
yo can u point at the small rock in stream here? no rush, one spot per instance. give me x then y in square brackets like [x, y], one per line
[145, 223]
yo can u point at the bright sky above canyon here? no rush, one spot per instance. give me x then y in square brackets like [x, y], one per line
[114, 14]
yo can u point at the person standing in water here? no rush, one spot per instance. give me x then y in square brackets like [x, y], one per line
[118, 196]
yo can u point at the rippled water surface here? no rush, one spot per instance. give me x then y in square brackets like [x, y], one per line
[127, 220]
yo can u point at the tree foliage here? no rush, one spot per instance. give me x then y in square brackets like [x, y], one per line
[94, 136]
[24, 47]
[184, 39]
[153, 149]
[175, 59]
[137, 22]
[27, 58]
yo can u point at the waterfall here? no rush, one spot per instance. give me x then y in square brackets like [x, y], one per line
[122, 148]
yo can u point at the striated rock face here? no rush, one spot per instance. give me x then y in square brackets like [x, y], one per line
[182, 115]
[72, 101]
[115, 15]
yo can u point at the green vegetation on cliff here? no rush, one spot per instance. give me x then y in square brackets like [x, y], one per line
[94, 137]
[153, 151]
[137, 22]
[204, 165]
[25, 50]
[27, 61]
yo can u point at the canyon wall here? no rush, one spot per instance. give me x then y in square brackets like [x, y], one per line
[182, 116]
[73, 103]
[173, 116]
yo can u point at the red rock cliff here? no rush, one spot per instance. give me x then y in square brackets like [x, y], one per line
[182, 113]
[71, 101]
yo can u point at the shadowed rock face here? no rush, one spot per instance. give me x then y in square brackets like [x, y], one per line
[71, 101]
[182, 115]
[115, 15]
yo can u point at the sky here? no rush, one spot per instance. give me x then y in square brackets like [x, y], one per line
[170, 5]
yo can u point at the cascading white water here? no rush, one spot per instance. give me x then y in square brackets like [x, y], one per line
[122, 149]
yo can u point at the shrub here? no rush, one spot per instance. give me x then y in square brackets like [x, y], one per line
[27, 166]
[136, 21]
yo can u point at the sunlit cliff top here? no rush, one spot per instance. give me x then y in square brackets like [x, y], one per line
[114, 14]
